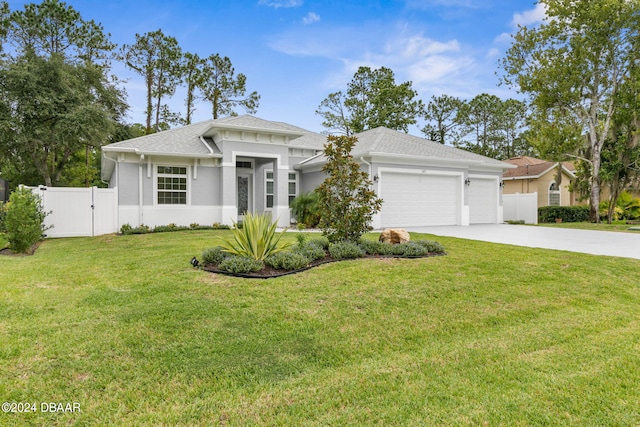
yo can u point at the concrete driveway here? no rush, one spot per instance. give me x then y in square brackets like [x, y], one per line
[585, 241]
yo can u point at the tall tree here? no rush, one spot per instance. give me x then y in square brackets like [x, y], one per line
[51, 109]
[335, 114]
[192, 66]
[224, 90]
[480, 121]
[441, 114]
[54, 28]
[157, 58]
[372, 99]
[576, 61]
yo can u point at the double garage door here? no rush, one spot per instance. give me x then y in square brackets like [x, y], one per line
[415, 200]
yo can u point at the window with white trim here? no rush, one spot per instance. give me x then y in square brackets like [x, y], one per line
[554, 195]
[293, 186]
[172, 185]
[268, 190]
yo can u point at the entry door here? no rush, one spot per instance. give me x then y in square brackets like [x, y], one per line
[245, 195]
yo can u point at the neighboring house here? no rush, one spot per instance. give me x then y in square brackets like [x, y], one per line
[533, 175]
[217, 170]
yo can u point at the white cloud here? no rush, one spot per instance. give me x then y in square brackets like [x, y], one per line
[530, 17]
[280, 3]
[311, 18]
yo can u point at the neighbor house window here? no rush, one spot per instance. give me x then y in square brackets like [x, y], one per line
[269, 189]
[293, 186]
[172, 185]
[554, 195]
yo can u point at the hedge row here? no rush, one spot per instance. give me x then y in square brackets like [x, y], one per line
[566, 213]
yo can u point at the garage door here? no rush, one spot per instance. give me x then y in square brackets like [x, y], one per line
[483, 201]
[412, 200]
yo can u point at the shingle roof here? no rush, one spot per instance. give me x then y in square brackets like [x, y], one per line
[382, 141]
[179, 141]
[188, 140]
[530, 167]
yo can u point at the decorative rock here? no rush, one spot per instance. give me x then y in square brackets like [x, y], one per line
[394, 236]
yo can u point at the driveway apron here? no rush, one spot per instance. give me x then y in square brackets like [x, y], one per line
[585, 241]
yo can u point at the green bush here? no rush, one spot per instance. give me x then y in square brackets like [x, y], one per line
[409, 249]
[256, 239]
[24, 220]
[566, 213]
[126, 229]
[240, 264]
[345, 250]
[431, 246]
[321, 241]
[305, 209]
[3, 214]
[214, 255]
[310, 250]
[374, 247]
[170, 227]
[287, 261]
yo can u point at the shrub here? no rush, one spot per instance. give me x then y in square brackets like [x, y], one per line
[431, 246]
[125, 228]
[305, 209]
[287, 261]
[142, 229]
[3, 214]
[347, 202]
[409, 249]
[310, 250]
[170, 227]
[256, 239]
[214, 255]
[321, 241]
[345, 250]
[24, 219]
[240, 264]
[566, 213]
[374, 247]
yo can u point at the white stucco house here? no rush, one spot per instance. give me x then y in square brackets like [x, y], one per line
[216, 170]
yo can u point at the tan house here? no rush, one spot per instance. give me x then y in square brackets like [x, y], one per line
[538, 176]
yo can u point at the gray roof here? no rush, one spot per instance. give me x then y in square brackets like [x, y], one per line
[195, 140]
[183, 141]
[384, 141]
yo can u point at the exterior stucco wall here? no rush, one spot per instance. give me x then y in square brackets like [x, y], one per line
[127, 184]
[206, 188]
[541, 186]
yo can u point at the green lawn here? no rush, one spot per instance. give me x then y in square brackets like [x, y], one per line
[487, 335]
[615, 226]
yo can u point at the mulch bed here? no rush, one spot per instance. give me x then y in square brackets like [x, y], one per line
[30, 251]
[270, 272]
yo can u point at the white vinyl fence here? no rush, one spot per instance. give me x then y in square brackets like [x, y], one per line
[79, 211]
[521, 207]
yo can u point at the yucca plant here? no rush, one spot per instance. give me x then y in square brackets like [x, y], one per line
[256, 239]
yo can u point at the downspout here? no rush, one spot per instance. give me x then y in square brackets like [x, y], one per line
[140, 198]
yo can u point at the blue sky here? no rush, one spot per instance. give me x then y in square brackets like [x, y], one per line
[296, 52]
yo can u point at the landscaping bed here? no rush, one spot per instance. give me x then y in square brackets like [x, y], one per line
[312, 253]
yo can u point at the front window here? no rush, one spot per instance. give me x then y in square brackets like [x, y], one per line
[269, 189]
[293, 186]
[554, 195]
[172, 185]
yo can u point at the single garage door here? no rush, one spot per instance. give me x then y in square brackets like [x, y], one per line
[414, 200]
[483, 201]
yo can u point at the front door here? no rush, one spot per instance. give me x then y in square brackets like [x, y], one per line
[245, 197]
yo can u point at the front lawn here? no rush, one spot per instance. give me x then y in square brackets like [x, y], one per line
[487, 335]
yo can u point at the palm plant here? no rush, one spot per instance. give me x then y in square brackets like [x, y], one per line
[256, 238]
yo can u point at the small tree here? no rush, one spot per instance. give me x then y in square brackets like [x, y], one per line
[24, 220]
[347, 202]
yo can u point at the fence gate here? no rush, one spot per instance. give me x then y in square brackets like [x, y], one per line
[79, 211]
[521, 207]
